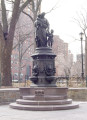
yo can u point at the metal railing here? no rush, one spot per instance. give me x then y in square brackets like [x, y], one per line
[71, 82]
[60, 82]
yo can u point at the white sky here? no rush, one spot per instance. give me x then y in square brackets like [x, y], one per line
[61, 20]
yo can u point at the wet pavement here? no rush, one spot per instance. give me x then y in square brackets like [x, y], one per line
[7, 113]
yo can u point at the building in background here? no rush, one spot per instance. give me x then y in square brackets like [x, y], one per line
[77, 66]
[64, 58]
[23, 48]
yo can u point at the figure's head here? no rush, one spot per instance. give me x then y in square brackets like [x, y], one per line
[42, 14]
[52, 30]
[39, 15]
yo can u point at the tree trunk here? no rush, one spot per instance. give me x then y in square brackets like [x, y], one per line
[6, 63]
[20, 60]
[86, 57]
[6, 68]
[1, 39]
[19, 71]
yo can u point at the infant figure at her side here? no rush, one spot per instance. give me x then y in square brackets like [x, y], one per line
[50, 38]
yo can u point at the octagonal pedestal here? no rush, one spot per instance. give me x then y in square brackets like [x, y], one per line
[43, 99]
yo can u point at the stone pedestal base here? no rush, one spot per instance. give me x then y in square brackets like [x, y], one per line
[43, 99]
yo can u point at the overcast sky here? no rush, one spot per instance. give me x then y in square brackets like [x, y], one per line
[61, 20]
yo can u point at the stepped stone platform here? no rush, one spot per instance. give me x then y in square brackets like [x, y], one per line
[43, 99]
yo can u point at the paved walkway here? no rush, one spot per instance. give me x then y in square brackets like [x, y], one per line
[80, 113]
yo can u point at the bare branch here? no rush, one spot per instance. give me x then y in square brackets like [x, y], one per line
[33, 6]
[53, 8]
[24, 5]
[27, 49]
[14, 19]
[38, 5]
[23, 66]
[79, 23]
[29, 8]
[28, 16]
[82, 22]
[10, 1]
[22, 40]
[7, 10]
[4, 17]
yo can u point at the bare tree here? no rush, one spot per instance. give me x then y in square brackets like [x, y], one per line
[82, 23]
[7, 39]
[21, 51]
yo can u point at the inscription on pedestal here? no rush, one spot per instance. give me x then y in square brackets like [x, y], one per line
[39, 92]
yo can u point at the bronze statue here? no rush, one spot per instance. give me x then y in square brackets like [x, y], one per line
[42, 28]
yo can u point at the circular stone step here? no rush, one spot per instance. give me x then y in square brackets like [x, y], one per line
[44, 108]
[46, 97]
[54, 102]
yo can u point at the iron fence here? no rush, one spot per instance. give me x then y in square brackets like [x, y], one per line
[71, 82]
[60, 82]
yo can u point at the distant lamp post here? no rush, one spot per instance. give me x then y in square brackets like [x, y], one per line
[81, 38]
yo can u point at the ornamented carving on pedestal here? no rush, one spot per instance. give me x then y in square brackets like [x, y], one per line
[39, 92]
[49, 71]
[35, 70]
